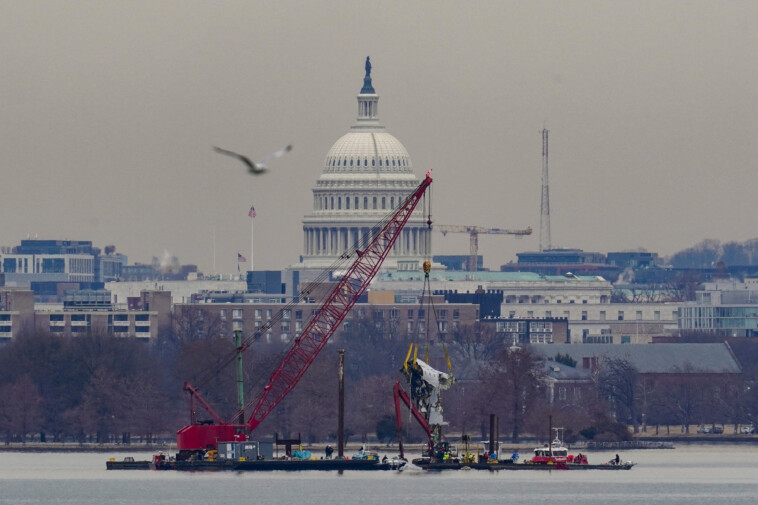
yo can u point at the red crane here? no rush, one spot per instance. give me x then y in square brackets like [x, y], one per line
[305, 349]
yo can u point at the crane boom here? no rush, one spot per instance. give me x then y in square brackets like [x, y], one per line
[312, 340]
[338, 303]
[474, 232]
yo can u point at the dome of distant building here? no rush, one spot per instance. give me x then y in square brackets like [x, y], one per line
[367, 173]
[368, 153]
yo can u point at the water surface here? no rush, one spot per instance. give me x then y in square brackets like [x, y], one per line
[691, 475]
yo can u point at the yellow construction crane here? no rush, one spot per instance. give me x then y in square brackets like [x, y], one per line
[473, 232]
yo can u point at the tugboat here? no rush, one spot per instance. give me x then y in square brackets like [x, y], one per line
[553, 453]
[556, 455]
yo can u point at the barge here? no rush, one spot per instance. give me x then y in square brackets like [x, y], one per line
[511, 465]
[362, 461]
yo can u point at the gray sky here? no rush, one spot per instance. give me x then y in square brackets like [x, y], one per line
[108, 111]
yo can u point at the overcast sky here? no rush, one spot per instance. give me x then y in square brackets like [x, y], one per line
[108, 111]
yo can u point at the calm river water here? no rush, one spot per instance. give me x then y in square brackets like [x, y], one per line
[691, 475]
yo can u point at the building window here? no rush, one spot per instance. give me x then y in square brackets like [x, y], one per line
[584, 315]
[268, 314]
[657, 315]
[258, 313]
[443, 314]
[639, 315]
[626, 339]
[621, 315]
[236, 313]
[298, 314]
[365, 202]
[222, 314]
[287, 314]
[374, 203]
[410, 313]
[339, 203]
[456, 313]
[562, 393]
[602, 315]
[421, 313]
[410, 327]
[384, 202]
[393, 313]
[548, 313]
[442, 326]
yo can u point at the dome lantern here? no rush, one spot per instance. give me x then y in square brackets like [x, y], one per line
[368, 100]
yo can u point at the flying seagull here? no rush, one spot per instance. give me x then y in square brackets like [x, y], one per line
[253, 167]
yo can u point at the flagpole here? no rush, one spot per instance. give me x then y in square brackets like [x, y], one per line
[252, 249]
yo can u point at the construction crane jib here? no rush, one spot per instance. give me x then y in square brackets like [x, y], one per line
[474, 232]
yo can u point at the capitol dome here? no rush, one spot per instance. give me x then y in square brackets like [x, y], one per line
[366, 152]
[367, 173]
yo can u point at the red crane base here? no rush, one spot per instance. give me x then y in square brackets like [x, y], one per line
[202, 436]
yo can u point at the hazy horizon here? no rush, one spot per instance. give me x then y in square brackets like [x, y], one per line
[110, 109]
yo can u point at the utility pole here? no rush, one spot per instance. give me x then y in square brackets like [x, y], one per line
[545, 204]
[341, 410]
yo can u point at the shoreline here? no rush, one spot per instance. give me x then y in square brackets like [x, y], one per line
[692, 438]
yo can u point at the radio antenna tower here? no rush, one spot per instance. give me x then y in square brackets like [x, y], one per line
[545, 204]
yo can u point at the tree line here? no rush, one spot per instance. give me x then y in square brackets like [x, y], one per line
[99, 388]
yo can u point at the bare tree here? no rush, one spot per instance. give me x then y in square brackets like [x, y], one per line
[619, 381]
[477, 341]
[20, 408]
[515, 385]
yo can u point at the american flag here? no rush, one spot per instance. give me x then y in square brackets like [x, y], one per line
[252, 211]
[241, 258]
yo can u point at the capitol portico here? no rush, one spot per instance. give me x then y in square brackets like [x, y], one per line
[367, 175]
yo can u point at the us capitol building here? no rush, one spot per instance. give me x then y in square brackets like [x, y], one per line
[367, 174]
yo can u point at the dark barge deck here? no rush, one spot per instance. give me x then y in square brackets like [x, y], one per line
[260, 465]
[507, 466]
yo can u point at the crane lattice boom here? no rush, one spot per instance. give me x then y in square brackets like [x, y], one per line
[313, 338]
[339, 302]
